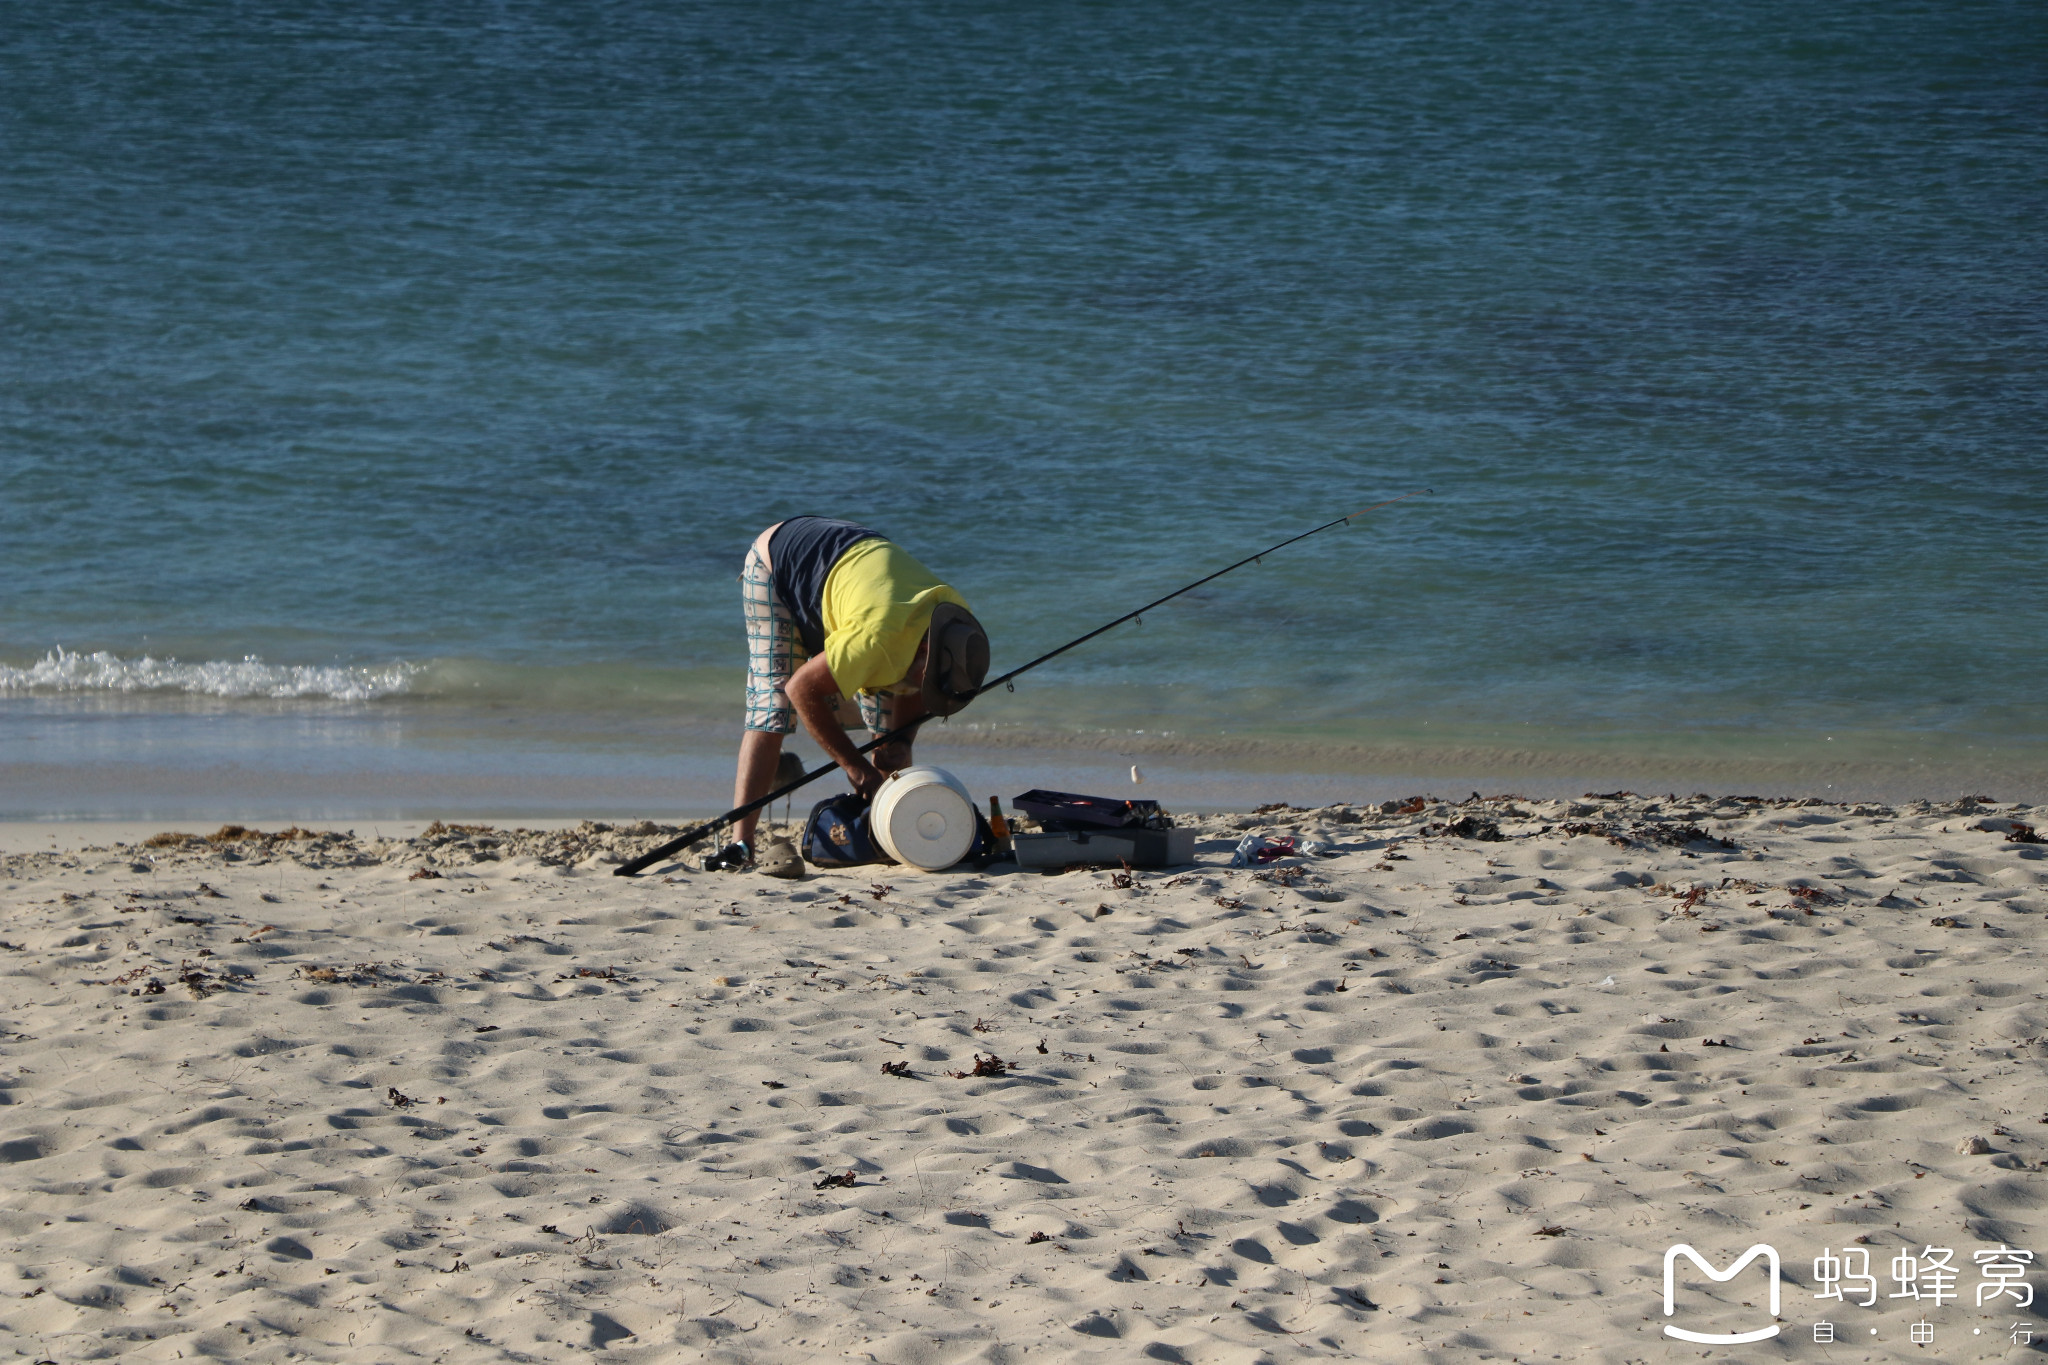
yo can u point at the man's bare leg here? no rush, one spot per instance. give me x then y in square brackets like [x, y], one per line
[759, 752]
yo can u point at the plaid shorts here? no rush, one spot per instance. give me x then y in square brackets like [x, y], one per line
[774, 653]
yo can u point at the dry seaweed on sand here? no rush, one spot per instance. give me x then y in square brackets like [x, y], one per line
[234, 834]
[1677, 836]
[1645, 834]
[441, 845]
[203, 983]
[991, 1065]
[1468, 827]
[439, 830]
[362, 974]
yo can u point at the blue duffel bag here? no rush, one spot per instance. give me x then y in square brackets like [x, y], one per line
[836, 834]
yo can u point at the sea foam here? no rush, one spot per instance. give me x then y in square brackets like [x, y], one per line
[62, 670]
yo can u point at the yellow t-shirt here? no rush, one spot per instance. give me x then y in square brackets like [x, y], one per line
[876, 608]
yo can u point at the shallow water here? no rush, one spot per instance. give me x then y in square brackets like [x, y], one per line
[448, 363]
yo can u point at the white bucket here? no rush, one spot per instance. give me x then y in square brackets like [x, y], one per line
[923, 816]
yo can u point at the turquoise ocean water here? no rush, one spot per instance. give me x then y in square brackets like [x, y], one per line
[388, 393]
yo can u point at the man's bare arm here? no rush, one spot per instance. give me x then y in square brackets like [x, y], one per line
[811, 690]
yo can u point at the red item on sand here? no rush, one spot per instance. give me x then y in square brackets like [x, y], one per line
[1275, 850]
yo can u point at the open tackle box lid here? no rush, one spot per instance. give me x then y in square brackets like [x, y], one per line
[1068, 810]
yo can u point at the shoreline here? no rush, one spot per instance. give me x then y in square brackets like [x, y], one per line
[327, 763]
[651, 741]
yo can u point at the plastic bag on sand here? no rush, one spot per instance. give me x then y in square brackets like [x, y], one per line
[1255, 849]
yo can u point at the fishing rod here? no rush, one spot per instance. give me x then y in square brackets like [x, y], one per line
[697, 832]
[1004, 681]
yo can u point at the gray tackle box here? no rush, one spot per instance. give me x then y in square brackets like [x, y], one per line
[1106, 848]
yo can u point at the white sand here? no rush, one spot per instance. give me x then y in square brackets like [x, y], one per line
[1448, 1107]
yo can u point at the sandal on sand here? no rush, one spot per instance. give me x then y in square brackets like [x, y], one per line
[779, 858]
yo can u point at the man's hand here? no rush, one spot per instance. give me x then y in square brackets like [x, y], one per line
[867, 779]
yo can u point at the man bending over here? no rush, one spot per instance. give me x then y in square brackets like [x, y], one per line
[835, 610]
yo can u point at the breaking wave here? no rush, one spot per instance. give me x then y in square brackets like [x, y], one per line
[61, 670]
